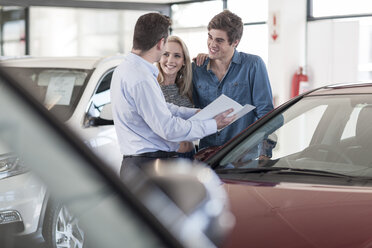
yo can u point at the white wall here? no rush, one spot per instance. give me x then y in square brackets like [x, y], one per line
[327, 49]
[333, 52]
[287, 53]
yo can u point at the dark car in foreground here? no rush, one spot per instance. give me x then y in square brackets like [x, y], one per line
[170, 205]
[302, 175]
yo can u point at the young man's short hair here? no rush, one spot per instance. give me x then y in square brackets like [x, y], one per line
[228, 22]
[149, 29]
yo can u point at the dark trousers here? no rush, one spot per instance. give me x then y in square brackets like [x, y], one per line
[189, 155]
[132, 163]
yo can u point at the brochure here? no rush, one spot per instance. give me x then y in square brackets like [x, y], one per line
[221, 104]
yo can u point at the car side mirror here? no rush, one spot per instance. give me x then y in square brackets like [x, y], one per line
[106, 112]
[105, 117]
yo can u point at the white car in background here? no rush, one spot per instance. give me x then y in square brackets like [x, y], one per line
[76, 91]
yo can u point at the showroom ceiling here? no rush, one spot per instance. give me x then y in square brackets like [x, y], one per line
[162, 6]
[87, 2]
[144, 1]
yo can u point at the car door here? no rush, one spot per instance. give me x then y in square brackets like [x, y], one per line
[97, 128]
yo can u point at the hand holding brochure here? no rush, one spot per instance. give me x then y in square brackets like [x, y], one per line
[221, 104]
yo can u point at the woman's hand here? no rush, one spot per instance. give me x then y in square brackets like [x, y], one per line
[200, 59]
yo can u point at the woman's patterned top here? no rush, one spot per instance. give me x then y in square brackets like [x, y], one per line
[172, 95]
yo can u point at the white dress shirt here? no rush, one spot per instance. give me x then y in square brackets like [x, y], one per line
[144, 122]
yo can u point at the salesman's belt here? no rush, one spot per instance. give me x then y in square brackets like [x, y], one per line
[157, 154]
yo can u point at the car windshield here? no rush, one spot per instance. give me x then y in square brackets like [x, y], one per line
[330, 134]
[58, 89]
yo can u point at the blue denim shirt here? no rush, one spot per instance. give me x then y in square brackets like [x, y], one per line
[246, 81]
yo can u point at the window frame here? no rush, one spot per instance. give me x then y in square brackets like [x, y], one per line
[310, 16]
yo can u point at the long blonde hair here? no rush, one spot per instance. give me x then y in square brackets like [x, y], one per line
[184, 75]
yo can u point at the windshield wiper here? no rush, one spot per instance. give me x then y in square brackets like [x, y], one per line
[294, 171]
[248, 170]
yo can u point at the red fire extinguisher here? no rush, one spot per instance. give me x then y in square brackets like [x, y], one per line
[300, 83]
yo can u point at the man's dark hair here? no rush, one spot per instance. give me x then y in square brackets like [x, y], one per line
[149, 29]
[228, 22]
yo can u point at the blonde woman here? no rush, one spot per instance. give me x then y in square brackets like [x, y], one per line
[175, 77]
[175, 73]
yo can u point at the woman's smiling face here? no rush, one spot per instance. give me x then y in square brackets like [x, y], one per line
[173, 58]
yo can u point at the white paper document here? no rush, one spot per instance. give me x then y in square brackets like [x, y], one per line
[221, 104]
[59, 90]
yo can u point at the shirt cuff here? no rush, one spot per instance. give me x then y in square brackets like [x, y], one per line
[211, 126]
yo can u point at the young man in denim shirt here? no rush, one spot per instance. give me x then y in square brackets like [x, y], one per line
[240, 76]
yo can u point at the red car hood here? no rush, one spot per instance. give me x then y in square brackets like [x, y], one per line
[299, 215]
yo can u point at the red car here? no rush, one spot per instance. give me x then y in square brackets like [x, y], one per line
[302, 175]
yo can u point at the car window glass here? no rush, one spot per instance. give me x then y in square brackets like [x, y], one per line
[330, 133]
[297, 133]
[351, 124]
[101, 96]
[290, 142]
[59, 90]
[38, 165]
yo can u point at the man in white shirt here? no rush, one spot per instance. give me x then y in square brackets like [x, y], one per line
[147, 127]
